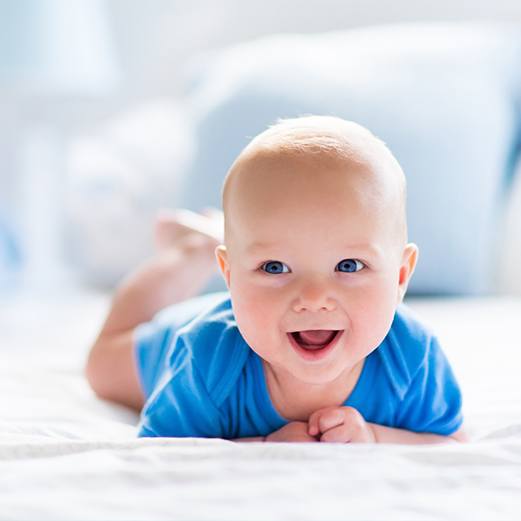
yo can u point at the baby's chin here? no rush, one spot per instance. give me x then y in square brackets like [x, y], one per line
[312, 375]
[317, 375]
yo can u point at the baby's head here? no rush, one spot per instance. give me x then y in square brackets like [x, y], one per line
[315, 239]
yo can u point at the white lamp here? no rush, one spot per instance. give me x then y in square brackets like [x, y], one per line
[55, 48]
[52, 52]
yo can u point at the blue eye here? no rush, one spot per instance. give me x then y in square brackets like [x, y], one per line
[350, 265]
[274, 267]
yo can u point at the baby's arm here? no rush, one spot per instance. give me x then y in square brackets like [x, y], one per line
[347, 425]
[385, 434]
[295, 431]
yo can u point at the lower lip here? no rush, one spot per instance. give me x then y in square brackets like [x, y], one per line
[315, 354]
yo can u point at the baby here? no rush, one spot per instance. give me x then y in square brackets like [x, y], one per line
[312, 342]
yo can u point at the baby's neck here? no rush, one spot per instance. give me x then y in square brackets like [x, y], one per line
[296, 400]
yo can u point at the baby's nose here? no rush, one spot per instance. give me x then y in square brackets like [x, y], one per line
[314, 297]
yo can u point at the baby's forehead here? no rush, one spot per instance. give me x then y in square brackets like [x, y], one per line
[282, 185]
[320, 205]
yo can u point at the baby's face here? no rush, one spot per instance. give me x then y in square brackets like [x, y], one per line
[314, 244]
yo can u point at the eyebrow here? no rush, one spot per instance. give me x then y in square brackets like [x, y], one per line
[255, 246]
[372, 249]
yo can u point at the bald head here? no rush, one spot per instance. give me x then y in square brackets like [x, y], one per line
[338, 151]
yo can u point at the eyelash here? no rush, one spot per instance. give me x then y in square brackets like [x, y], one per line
[358, 262]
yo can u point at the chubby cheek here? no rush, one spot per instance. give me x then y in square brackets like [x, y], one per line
[373, 312]
[258, 318]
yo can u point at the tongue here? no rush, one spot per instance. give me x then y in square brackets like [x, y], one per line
[316, 337]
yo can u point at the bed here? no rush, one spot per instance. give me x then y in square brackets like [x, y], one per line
[65, 454]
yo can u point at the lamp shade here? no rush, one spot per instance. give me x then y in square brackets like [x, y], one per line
[55, 47]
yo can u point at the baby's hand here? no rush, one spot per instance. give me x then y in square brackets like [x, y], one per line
[340, 425]
[293, 431]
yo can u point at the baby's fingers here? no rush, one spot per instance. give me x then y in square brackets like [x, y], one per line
[323, 420]
[338, 434]
[313, 424]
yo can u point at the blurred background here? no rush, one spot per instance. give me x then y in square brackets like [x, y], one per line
[111, 109]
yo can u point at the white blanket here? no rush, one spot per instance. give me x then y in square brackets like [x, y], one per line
[66, 455]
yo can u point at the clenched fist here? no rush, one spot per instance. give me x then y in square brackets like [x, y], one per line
[340, 425]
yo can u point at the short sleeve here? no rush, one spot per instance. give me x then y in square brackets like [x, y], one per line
[153, 339]
[433, 400]
[180, 405]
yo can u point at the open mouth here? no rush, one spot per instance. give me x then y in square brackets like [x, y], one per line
[314, 343]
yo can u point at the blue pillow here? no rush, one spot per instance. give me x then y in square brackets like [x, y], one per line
[444, 97]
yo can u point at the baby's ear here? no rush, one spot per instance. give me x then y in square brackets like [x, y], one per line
[221, 254]
[408, 263]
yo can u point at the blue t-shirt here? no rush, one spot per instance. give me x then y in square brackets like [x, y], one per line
[201, 379]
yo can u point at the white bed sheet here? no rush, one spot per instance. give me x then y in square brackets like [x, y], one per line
[66, 455]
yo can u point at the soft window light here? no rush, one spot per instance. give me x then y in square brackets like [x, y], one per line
[51, 52]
